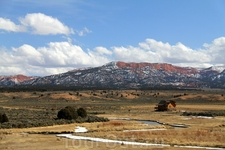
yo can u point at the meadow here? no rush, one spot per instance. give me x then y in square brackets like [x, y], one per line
[33, 124]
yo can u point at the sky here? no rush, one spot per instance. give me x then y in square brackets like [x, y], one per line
[40, 38]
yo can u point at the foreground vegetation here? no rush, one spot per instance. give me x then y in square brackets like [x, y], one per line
[212, 113]
[26, 109]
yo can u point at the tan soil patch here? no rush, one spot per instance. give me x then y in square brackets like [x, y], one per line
[85, 95]
[64, 96]
[20, 94]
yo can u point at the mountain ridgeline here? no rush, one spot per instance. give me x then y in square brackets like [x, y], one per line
[121, 75]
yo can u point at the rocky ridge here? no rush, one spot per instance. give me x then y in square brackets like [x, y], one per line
[127, 75]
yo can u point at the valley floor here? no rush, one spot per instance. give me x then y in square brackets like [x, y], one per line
[123, 112]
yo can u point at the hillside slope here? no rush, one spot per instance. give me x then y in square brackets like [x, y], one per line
[129, 75]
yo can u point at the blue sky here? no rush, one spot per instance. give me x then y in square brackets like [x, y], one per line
[50, 37]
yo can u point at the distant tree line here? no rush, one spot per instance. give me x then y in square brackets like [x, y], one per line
[43, 88]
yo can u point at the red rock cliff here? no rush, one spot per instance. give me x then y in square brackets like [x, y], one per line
[19, 78]
[163, 66]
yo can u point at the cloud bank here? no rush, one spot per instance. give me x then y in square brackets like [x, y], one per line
[55, 58]
[58, 57]
[156, 51]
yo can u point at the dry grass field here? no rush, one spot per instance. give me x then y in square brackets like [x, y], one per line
[119, 106]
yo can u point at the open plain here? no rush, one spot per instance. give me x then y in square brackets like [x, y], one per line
[33, 120]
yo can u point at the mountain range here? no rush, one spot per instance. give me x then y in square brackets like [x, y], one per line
[126, 75]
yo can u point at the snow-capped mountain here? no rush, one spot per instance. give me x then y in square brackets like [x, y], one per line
[130, 75]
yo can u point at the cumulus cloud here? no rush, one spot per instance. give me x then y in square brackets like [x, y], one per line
[157, 51]
[28, 55]
[44, 25]
[103, 51]
[8, 25]
[216, 50]
[38, 23]
[58, 57]
[135, 54]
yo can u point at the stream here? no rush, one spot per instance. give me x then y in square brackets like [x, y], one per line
[122, 143]
[154, 123]
[148, 122]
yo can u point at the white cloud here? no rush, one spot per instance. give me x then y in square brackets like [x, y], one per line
[12, 70]
[44, 25]
[157, 51]
[103, 51]
[28, 55]
[216, 50]
[8, 25]
[83, 32]
[58, 57]
[38, 23]
[135, 54]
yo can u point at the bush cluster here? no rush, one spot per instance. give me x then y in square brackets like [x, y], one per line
[26, 118]
[97, 119]
[3, 118]
[207, 113]
[70, 113]
[82, 112]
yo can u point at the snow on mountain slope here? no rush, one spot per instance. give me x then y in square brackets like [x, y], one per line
[217, 69]
[129, 75]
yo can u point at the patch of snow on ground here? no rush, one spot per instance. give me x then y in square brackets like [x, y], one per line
[204, 117]
[70, 136]
[80, 129]
[200, 117]
[199, 147]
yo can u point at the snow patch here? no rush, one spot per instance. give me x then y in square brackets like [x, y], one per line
[80, 129]
[70, 136]
[200, 117]
[199, 147]
[16, 81]
[203, 117]
[218, 68]
[78, 73]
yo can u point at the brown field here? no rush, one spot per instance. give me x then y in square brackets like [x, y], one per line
[35, 107]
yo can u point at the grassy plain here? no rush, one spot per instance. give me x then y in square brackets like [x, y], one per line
[40, 106]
